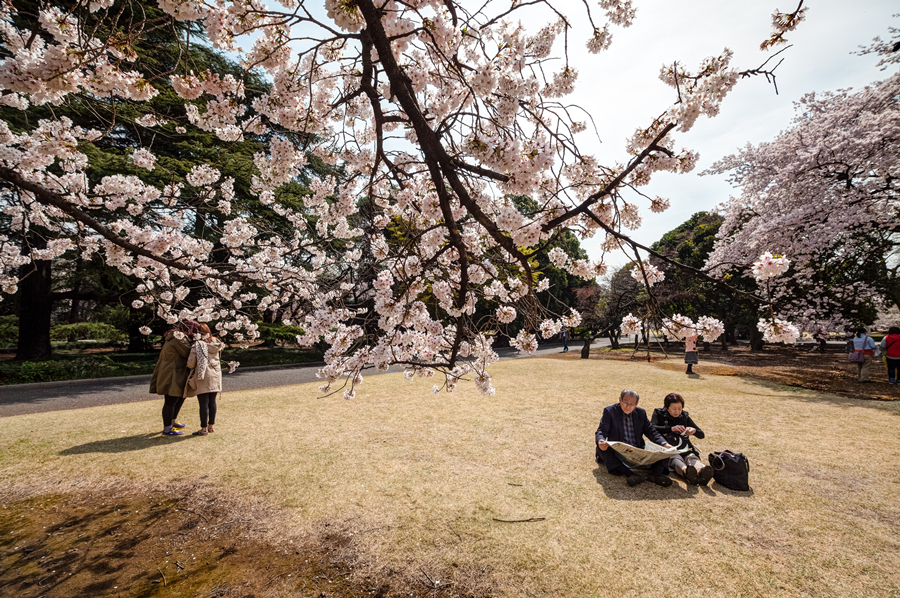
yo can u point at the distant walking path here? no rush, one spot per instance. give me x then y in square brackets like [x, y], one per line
[21, 399]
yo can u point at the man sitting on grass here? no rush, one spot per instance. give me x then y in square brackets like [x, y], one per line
[628, 423]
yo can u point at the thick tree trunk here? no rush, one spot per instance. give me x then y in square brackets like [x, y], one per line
[137, 342]
[730, 332]
[586, 349]
[35, 309]
[756, 340]
[613, 340]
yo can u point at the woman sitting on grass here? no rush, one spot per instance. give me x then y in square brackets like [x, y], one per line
[205, 381]
[677, 427]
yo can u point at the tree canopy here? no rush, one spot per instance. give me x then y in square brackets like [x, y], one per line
[426, 116]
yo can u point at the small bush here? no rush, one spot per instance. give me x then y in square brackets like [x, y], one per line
[87, 331]
[278, 334]
[9, 331]
[94, 366]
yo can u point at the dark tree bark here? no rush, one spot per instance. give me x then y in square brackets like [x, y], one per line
[756, 340]
[586, 349]
[730, 332]
[35, 308]
[613, 339]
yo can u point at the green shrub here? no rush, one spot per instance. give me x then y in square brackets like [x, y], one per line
[278, 334]
[87, 331]
[9, 331]
[94, 366]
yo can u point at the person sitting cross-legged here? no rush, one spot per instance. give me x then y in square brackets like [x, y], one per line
[628, 423]
[676, 426]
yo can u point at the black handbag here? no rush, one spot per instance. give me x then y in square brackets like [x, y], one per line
[730, 469]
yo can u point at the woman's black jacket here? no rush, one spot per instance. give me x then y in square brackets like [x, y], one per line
[663, 421]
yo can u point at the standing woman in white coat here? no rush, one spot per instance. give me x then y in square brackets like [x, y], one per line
[205, 381]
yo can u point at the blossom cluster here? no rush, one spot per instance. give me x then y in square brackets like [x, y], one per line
[782, 23]
[769, 266]
[630, 325]
[679, 326]
[776, 331]
[653, 274]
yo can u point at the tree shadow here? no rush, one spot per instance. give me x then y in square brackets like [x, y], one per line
[137, 442]
[822, 396]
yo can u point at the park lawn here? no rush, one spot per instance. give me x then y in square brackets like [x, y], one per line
[419, 479]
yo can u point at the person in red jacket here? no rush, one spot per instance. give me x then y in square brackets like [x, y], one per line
[890, 344]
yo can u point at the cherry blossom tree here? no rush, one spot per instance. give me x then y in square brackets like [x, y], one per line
[435, 112]
[826, 192]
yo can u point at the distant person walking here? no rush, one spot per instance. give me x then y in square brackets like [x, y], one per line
[863, 343]
[205, 381]
[820, 337]
[171, 373]
[690, 353]
[565, 338]
[890, 344]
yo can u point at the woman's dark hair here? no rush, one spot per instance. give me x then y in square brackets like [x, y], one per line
[861, 330]
[673, 397]
[894, 330]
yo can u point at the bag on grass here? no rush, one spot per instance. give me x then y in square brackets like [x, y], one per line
[730, 469]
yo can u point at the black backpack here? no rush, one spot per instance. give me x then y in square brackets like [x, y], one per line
[730, 469]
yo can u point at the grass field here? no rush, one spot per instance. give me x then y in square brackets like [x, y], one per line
[419, 479]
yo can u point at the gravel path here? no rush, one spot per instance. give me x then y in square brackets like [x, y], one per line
[20, 399]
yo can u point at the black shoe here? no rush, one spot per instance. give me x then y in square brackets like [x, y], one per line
[706, 475]
[690, 474]
[660, 480]
[634, 479]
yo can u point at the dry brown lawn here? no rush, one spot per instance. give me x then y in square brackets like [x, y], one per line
[419, 480]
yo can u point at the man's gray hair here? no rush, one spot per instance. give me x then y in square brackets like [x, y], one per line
[631, 393]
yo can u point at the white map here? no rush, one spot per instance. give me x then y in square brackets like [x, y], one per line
[650, 454]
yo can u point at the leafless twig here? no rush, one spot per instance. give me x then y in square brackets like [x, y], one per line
[519, 520]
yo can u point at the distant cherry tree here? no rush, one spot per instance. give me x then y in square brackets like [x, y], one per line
[826, 192]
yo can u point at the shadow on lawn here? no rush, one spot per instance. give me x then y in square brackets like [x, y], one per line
[615, 488]
[122, 445]
[813, 395]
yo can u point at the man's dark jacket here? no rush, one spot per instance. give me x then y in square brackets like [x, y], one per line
[612, 427]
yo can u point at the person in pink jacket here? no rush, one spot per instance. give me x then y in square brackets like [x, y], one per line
[205, 380]
[690, 353]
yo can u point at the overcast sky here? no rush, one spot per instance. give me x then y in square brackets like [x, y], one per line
[621, 88]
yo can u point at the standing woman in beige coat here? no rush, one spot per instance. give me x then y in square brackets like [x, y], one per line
[205, 381]
[171, 373]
